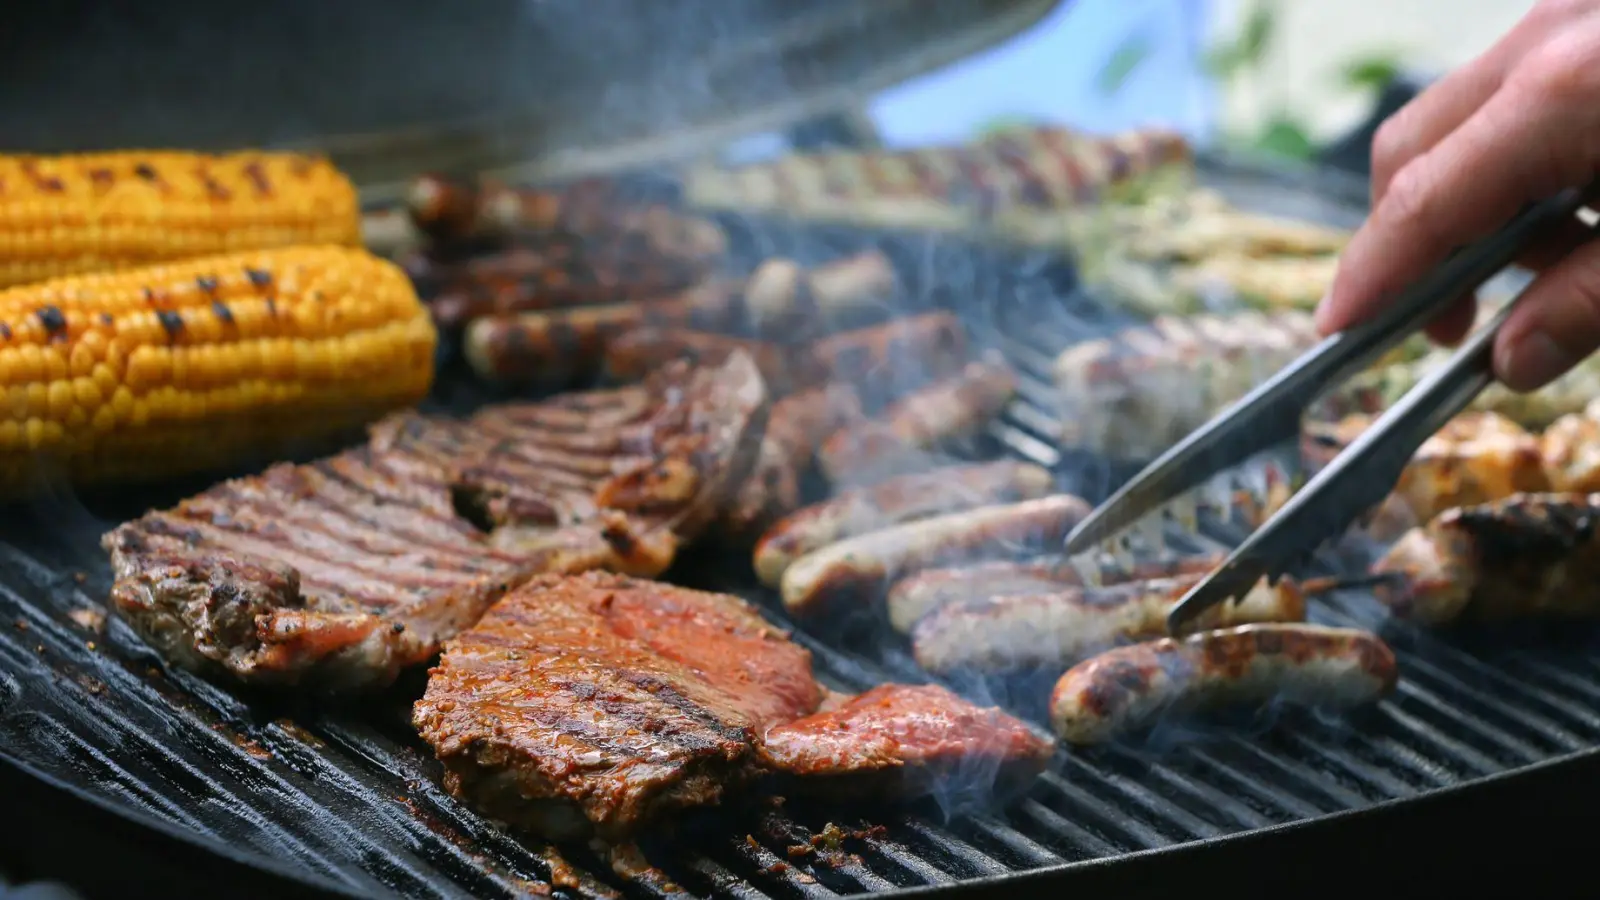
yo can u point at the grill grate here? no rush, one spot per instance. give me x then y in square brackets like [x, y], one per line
[352, 798]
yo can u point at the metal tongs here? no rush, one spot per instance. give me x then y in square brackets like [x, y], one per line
[1270, 416]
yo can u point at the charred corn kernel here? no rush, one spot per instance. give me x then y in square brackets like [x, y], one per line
[197, 365]
[63, 215]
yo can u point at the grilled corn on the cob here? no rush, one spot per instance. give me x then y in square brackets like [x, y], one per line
[64, 215]
[194, 365]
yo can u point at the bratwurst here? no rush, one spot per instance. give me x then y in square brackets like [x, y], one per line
[1130, 688]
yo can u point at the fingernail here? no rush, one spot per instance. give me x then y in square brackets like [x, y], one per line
[1531, 360]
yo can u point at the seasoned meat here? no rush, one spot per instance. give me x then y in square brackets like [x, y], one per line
[1526, 556]
[601, 704]
[895, 501]
[344, 570]
[1475, 458]
[798, 423]
[1133, 687]
[902, 739]
[908, 429]
[605, 701]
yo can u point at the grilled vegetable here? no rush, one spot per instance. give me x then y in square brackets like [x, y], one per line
[85, 212]
[191, 365]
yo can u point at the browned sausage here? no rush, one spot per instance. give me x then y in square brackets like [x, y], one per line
[887, 360]
[893, 502]
[921, 593]
[1055, 629]
[1132, 687]
[556, 346]
[634, 354]
[919, 422]
[855, 571]
[785, 302]
[796, 425]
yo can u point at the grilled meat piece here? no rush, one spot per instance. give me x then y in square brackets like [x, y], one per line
[921, 593]
[857, 570]
[600, 703]
[888, 360]
[1133, 687]
[1055, 629]
[901, 438]
[344, 570]
[893, 502]
[798, 423]
[1571, 451]
[1476, 458]
[903, 740]
[1528, 555]
[558, 346]
[608, 702]
[635, 354]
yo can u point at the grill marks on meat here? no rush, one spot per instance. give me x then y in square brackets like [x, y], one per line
[344, 570]
[1529, 555]
[599, 703]
[604, 700]
[903, 739]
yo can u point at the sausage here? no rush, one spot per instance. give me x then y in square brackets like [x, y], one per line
[523, 279]
[1527, 556]
[795, 425]
[856, 570]
[1131, 688]
[634, 354]
[892, 502]
[1055, 629]
[555, 347]
[888, 360]
[787, 302]
[901, 438]
[921, 593]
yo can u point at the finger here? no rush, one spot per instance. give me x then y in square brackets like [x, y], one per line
[1435, 112]
[1450, 326]
[1555, 325]
[1451, 100]
[1442, 199]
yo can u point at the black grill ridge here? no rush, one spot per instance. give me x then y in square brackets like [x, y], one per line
[354, 800]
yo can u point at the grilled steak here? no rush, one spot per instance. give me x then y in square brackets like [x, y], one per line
[598, 703]
[344, 570]
[903, 739]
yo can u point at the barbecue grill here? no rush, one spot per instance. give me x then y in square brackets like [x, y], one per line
[119, 773]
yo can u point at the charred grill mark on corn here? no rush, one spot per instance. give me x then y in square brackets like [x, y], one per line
[143, 374]
[78, 213]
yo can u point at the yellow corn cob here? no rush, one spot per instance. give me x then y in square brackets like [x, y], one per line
[202, 364]
[62, 215]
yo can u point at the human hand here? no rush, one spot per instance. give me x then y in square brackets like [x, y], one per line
[1516, 125]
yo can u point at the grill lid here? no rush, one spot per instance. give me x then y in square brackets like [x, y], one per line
[393, 86]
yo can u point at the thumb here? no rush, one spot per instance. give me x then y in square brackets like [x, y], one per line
[1556, 323]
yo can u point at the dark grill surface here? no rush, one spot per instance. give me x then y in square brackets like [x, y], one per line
[352, 798]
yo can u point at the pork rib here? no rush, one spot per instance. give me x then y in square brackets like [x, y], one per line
[342, 571]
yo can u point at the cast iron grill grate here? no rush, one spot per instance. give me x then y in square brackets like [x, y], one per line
[353, 798]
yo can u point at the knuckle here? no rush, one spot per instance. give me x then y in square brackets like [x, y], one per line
[1391, 145]
[1563, 71]
[1409, 198]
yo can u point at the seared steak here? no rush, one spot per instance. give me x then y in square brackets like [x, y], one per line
[344, 570]
[904, 739]
[601, 699]
[597, 703]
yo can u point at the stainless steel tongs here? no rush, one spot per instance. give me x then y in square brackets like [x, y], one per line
[1270, 416]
